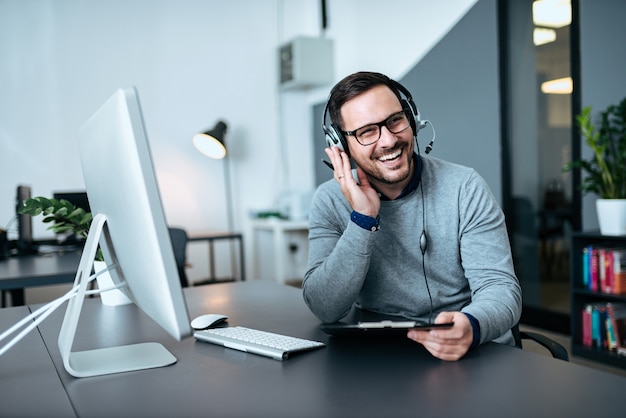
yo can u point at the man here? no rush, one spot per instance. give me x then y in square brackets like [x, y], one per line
[411, 236]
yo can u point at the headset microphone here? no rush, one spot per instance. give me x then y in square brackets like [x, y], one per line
[429, 147]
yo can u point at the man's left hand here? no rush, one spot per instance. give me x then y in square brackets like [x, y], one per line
[447, 344]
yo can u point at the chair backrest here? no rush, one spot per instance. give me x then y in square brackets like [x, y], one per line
[179, 244]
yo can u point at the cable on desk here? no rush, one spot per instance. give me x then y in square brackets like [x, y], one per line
[42, 313]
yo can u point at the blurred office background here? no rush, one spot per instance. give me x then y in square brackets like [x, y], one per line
[471, 65]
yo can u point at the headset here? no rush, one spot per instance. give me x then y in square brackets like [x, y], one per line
[334, 135]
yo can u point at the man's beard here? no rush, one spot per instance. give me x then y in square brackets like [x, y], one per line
[381, 177]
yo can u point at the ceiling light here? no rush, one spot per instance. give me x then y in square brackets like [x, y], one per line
[543, 36]
[557, 86]
[552, 13]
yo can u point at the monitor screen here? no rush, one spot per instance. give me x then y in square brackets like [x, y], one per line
[77, 198]
[122, 188]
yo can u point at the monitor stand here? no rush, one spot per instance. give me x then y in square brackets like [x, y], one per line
[109, 360]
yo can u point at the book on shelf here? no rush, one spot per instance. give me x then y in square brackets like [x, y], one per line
[618, 271]
[617, 316]
[604, 326]
[586, 327]
[604, 269]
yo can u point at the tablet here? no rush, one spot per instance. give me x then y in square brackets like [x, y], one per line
[379, 327]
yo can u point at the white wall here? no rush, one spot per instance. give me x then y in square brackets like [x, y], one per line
[193, 62]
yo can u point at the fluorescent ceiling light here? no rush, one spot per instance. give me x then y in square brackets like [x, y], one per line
[543, 36]
[552, 13]
[558, 86]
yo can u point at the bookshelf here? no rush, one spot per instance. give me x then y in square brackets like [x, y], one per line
[582, 295]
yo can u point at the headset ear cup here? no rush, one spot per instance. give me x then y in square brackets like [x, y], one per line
[336, 138]
[407, 109]
[333, 135]
[418, 121]
[330, 137]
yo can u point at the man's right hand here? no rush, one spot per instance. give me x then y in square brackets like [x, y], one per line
[363, 198]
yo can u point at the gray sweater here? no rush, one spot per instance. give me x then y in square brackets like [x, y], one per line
[468, 260]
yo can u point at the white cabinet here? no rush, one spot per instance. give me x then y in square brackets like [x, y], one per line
[281, 230]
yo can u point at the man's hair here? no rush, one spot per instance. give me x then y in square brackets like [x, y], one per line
[353, 85]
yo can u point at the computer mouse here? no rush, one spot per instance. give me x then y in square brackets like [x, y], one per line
[207, 321]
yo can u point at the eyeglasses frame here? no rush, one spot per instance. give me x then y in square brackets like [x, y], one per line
[380, 126]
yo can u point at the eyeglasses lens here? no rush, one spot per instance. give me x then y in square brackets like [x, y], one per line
[369, 134]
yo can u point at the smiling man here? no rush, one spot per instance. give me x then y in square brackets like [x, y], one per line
[411, 235]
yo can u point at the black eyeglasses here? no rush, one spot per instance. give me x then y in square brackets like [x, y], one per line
[370, 134]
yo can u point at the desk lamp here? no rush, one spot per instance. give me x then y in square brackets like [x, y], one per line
[211, 144]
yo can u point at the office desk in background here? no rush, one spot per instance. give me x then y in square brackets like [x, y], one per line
[210, 237]
[363, 378]
[19, 272]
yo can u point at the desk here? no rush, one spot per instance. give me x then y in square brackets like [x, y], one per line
[19, 272]
[211, 236]
[278, 228]
[348, 378]
[29, 383]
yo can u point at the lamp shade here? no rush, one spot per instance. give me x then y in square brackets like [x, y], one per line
[211, 143]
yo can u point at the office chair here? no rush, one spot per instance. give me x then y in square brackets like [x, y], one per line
[556, 350]
[179, 245]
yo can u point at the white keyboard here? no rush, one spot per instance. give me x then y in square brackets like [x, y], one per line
[264, 343]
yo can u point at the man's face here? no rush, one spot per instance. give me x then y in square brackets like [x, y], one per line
[390, 160]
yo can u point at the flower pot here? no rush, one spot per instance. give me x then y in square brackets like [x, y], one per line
[111, 297]
[612, 216]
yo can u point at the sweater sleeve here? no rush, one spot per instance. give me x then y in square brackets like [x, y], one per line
[487, 261]
[339, 257]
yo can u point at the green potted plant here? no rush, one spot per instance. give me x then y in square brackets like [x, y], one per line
[64, 217]
[605, 170]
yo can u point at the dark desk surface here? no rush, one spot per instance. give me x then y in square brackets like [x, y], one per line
[390, 377]
[212, 235]
[37, 270]
[29, 383]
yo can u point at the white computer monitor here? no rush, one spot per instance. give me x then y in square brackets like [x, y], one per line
[130, 226]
